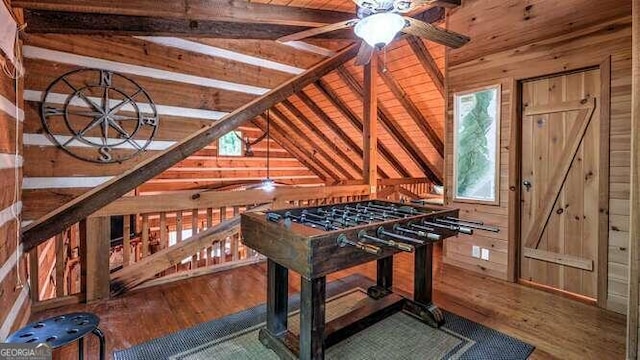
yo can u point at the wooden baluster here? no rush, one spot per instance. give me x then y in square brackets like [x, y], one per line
[235, 239]
[222, 245]
[194, 231]
[145, 235]
[178, 233]
[34, 274]
[126, 240]
[209, 225]
[61, 259]
[164, 234]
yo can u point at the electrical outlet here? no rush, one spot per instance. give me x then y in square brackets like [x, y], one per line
[475, 251]
[485, 254]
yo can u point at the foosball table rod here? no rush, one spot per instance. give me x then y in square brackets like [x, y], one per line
[362, 235]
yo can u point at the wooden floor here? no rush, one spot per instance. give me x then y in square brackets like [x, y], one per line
[557, 326]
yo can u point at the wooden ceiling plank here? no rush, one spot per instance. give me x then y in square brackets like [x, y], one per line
[305, 158]
[217, 10]
[64, 22]
[287, 123]
[81, 207]
[357, 123]
[397, 132]
[413, 111]
[428, 63]
[321, 135]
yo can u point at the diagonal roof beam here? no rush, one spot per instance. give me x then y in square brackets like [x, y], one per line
[321, 135]
[412, 110]
[212, 10]
[65, 22]
[357, 123]
[427, 62]
[400, 136]
[82, 206]
[279, 136]
[286, 123]
[306, 99]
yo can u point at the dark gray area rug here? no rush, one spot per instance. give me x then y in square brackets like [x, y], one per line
[399, 336]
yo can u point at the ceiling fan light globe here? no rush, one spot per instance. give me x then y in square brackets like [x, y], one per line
[379, 29]
[268, 185]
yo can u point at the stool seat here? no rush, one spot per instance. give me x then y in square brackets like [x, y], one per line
[61, 330]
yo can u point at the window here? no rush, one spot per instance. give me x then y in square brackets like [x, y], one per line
[230, 144]
[476, 140]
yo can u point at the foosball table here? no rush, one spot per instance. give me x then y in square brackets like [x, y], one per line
[317, 241]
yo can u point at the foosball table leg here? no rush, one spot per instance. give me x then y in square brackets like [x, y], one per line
[384, 279]
[422, 305]
[312, 318]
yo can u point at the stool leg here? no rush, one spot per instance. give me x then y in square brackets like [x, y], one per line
[81, 349]
[100, 336]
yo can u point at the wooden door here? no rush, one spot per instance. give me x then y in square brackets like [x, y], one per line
[561, 174]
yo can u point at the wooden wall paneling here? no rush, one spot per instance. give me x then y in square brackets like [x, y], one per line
[496, 26]
[100, 196]
[633, 322]
[134, 51]
[286, 121]
[401, 137]
[321, 135]
[300, 153]
[357, 123]
[327, 121]
[427, 62]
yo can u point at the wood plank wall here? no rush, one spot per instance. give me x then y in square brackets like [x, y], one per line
[551, 38]
[15, 305]
[52, 177]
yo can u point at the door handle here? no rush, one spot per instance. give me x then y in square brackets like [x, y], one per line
[527, 184]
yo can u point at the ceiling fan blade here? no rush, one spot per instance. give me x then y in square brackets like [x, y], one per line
[364, 54]
[317, 31]
[434, 33]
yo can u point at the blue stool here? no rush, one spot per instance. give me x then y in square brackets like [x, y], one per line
[61, 330]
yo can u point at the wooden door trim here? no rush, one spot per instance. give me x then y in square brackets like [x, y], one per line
[560, 174]
[515, 164]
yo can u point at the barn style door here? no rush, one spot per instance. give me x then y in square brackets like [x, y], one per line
[561, 180]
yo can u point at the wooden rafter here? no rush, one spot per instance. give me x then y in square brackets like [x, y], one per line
[321, 135]
[279, 136]
[413, 111]
[82, 206]
[306, 99]
[286, 122]
[211, 10]
[65, 22]
[427, 62]
[397, 132]
[357, 123]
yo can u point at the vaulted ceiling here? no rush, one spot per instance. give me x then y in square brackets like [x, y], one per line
[200, 60]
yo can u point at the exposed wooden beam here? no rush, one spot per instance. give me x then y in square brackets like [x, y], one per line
[64, 22]
[285, 121]
[357, 123]
[370, 125]
[211, 10]
[393, 128]
[427, 62]
[321, 135]
[633, 322]
[413, 111]
[305, 158]
[82, 206]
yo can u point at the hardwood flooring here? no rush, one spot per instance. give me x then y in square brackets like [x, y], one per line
[557, 326]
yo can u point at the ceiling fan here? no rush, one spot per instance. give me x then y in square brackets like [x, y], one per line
[378, 22]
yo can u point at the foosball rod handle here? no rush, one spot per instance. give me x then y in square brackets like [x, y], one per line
[368, 248]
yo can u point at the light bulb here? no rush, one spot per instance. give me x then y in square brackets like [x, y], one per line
[268, 185]
[379, 29]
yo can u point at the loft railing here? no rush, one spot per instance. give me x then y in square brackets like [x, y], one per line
[170, 237]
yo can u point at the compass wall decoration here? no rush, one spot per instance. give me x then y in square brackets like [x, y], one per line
[99, 116]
